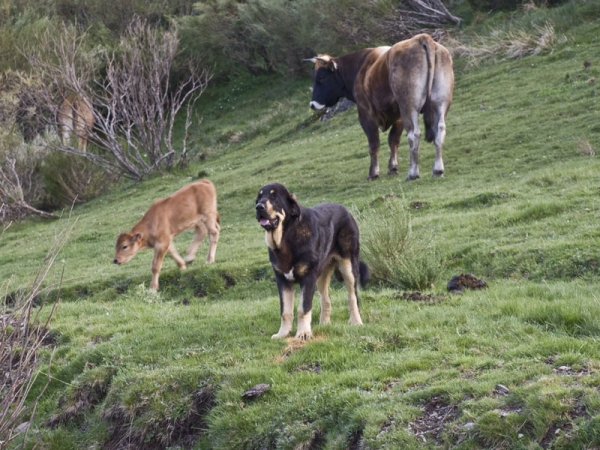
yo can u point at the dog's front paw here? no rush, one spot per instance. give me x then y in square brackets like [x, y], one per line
[304, 335]
[279, 335]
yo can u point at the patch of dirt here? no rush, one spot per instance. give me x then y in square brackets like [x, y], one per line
[419, 297]
[355, 441]
[200, 292]
[309, 367]
[566, 370]
[418, 205]
[382, 199]
[430, 425]
[81, 400]
[182, 433]
[563, 427]
[294, 344]
[469, 281]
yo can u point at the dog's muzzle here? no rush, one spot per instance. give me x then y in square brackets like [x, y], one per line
[265, 221]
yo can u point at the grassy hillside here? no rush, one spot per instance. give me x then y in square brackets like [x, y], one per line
[518, 207]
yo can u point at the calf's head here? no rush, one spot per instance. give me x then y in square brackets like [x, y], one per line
[274, 204]
[328, 86]
[127, 246]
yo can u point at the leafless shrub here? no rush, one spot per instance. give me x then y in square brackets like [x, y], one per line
[135, 104]
[510, 44]
[20, 182]
[585, 148]
[23, 331]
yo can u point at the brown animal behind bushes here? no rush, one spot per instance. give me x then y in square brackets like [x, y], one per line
[192, 206]
[75, 115]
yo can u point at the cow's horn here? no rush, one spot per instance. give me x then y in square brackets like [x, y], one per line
[312, 60]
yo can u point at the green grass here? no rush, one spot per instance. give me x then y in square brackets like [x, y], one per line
[518, 207]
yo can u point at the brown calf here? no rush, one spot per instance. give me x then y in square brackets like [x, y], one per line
[192, 206]
[75, 115]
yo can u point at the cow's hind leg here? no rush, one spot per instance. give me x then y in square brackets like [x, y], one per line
[349, 271]
[439, 130]
[175, 255]
[323, 288]
[413, 135]
[394, 142]
[201, 232]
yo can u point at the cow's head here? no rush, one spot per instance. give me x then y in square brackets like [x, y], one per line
[127, 246]
[274, 204]
[328, 86]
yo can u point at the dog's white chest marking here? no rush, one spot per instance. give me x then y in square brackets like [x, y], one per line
[290, 275]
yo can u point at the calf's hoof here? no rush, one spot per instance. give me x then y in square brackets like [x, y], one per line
[412, 177]
[393, 171]
[372, 177]
[438, 174]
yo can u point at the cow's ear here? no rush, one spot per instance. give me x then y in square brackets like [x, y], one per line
[332, 65]
[294, 206]
[137, 238]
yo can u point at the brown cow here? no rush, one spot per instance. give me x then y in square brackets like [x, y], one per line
[192, 206]
[75, 115]
[391, 86]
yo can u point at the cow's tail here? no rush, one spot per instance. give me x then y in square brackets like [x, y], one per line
[427, 110]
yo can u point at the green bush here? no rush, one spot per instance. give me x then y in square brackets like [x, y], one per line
[395, 254]
[70, 179]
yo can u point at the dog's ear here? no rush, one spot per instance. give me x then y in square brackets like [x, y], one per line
[294, 206]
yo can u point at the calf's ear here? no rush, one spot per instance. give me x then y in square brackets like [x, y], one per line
[137, 238]
[294, 206]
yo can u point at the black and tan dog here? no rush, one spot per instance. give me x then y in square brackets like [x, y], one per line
[305, 246]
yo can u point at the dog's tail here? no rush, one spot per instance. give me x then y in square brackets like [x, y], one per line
[363, 274]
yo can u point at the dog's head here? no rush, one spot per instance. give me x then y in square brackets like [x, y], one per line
[274, 204]
[127, 246]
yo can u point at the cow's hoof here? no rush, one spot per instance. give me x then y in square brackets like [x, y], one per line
[372, 177]
[189, 259]
[412, 177]
[393, 171]
[438, 174]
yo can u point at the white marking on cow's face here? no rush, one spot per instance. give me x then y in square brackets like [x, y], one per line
[316, 105]
[290, 275]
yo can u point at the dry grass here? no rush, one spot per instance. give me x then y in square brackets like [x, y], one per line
[585, 148]
[511, 44]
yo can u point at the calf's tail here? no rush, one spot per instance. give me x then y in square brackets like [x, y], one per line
[363, 274]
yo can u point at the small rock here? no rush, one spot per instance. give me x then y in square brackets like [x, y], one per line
[500, 388]
[256, 391]
[21, 428]
[469, 426]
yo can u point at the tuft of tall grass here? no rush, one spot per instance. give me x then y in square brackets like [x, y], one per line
[508, 44]
[395, 254]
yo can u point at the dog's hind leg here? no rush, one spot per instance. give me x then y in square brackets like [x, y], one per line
[349, 272]
[323, 288]
[286, 307]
